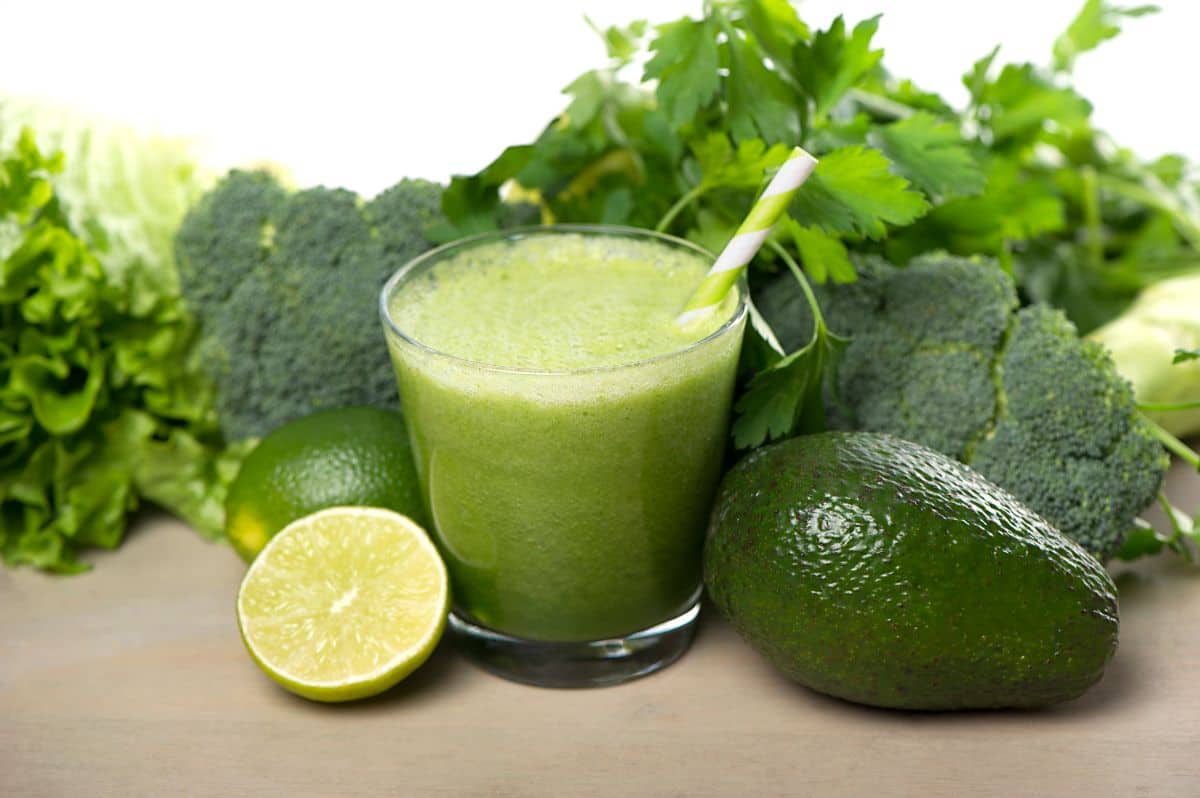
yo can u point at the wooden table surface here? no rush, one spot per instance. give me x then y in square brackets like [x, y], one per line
[131, 680]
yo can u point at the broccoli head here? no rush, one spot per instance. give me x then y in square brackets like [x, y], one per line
[941, 354]
[285, 287]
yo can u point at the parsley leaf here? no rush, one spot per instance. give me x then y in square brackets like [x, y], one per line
[780, 397]
[976, 80]
[760, 347]
[687, 67]
[722, 166]
[1096, 22]
[1184, 355]
[775, 26]
[759, 101]
[1022, 101]
[470, 202]
[852, 191]
[832, 63]
[1142, 541]
[822, 255]
[622, 43]
[745, 167]
[588, 93]
[1184, 538]
[785, 398]
[930, 153]
[1013, 207]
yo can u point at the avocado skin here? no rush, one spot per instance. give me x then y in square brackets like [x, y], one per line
[881, 572]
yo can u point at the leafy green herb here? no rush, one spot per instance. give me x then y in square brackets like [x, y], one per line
[931, 153]
[1142, 541]
[758, 101]
[474, 202]
[776, 26]
[1096, 22]
[1184, 355]
[825, 255]
[829, 65]
[722, 166]
[1145, 541]
[785, 397]
[686, 64]
[622, 43]
[853, 193]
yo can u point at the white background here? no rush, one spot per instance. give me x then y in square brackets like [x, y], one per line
[360, 94]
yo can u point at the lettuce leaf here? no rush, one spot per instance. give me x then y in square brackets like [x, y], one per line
[123, 193]
[98, 410]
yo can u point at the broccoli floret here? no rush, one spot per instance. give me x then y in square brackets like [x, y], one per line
[915, 329]
[941, 355]
[285, 286]
[1070, 442]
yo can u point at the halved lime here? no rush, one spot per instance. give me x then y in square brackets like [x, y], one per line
[344, 603]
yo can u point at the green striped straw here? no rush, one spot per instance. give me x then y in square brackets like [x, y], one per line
[750, 236]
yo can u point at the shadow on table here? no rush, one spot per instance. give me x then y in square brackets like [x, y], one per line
[442, 672]
[1119, 688]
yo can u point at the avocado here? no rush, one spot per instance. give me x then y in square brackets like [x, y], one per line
[882, 572]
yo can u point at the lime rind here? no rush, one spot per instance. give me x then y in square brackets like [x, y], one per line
[370, 554]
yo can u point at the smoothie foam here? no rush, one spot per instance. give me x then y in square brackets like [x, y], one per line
[557, 302]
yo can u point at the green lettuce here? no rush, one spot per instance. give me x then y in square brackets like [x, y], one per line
[123, 193]
[98, 410]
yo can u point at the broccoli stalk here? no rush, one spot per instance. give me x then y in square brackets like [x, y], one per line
[1143, 539]
[1174, 445]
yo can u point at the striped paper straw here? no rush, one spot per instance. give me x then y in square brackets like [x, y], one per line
[750, 236]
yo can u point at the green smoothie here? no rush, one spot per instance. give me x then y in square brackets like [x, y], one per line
[568, 434]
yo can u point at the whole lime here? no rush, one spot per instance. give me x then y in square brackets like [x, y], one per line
[358, 456]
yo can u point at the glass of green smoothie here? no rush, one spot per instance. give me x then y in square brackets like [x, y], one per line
[568, 437]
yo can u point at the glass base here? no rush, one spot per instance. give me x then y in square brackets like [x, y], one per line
[591, 663]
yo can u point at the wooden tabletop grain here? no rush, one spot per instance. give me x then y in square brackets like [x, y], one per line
[132, 681]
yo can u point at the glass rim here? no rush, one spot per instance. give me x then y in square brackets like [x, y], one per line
[398, 276]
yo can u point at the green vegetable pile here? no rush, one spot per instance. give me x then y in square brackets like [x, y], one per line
[284, 285]
[124, 378]
[97, 411]
[1019, 175]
